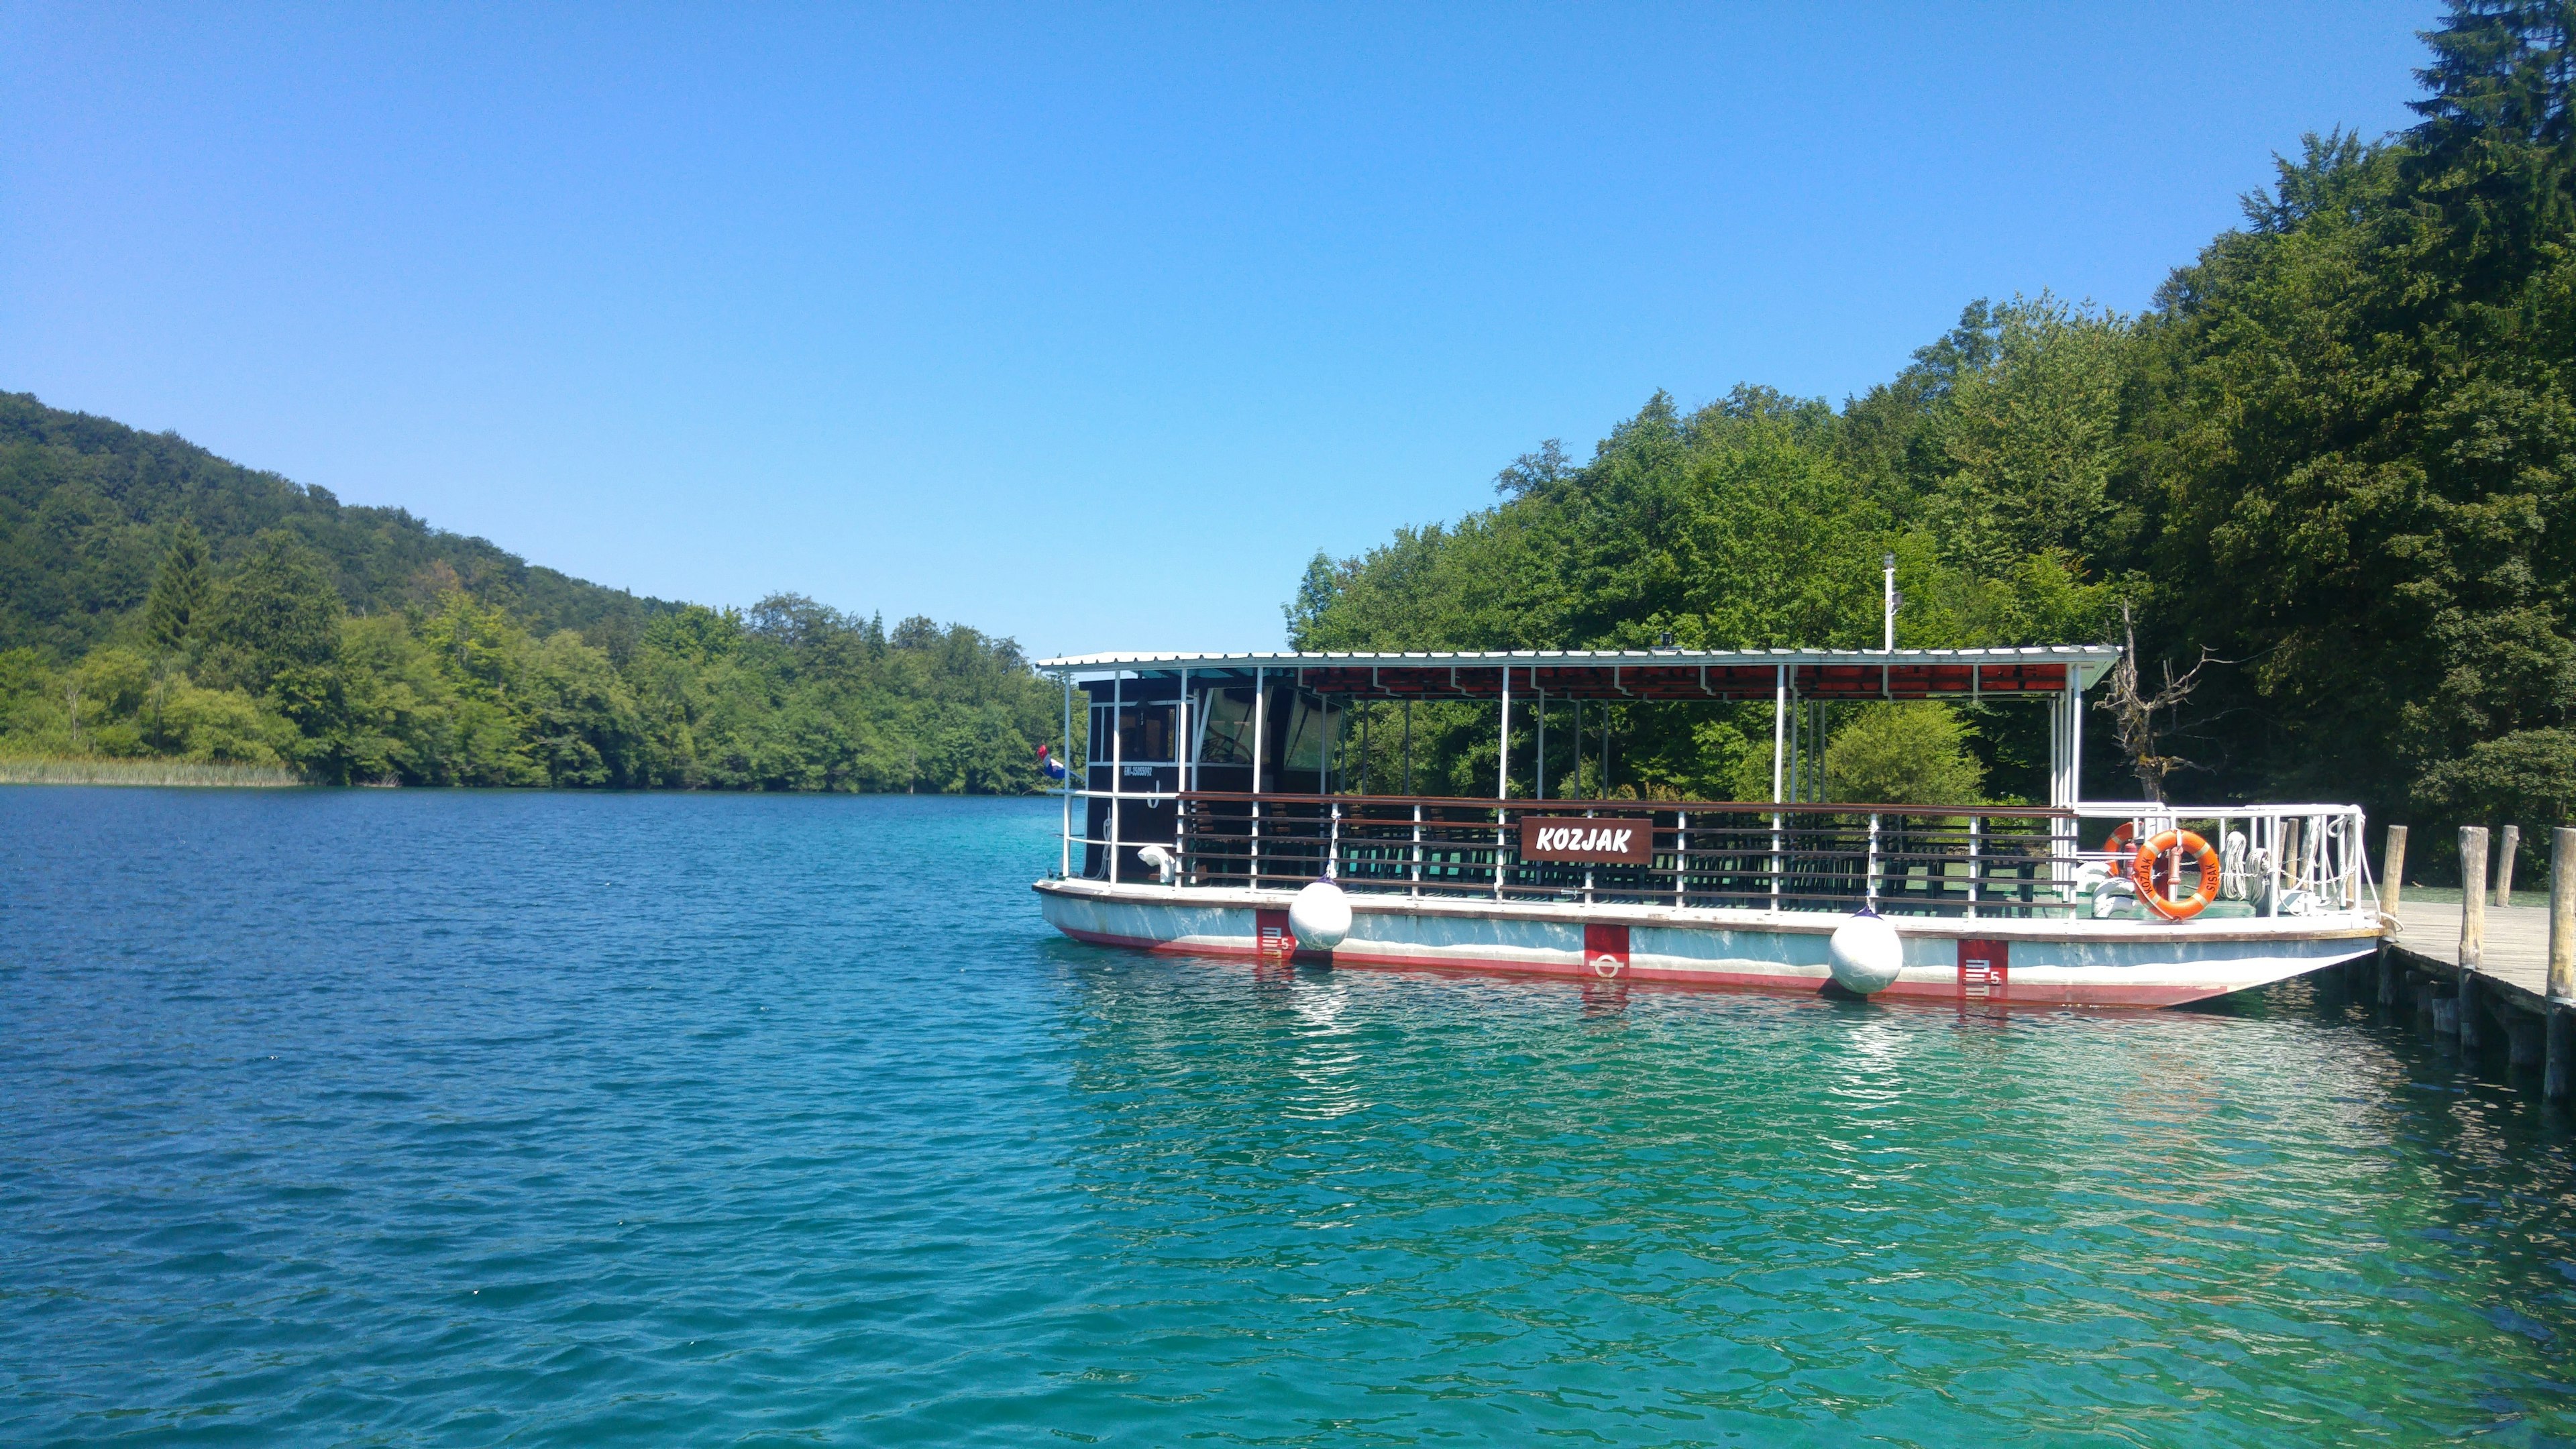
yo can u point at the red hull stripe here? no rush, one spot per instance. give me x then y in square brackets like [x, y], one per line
[2018, 993]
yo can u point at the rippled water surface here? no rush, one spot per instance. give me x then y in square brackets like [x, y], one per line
[456, 1118]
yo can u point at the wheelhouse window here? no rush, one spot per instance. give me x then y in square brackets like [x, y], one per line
[1145, 733]
[1304, 722]
[1225, 727]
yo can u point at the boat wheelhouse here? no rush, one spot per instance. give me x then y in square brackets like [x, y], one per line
[1219, 786]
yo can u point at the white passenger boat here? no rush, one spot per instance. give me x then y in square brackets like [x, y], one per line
[1214, 798]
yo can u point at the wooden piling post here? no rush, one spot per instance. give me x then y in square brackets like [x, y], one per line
[2526, 1034]
[2473, 928]
[2510, 841]
[2392, 881]
[2473, 896]
[2472, 1013]
[2562, 914]
[2559, 1079]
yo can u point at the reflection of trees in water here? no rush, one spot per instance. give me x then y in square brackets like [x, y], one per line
[1628, 1171]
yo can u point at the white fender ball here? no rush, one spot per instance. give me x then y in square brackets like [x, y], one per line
[1866, 954]
[1321, 916]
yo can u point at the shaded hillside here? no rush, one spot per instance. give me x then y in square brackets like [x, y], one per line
[87, 504]
[160, 603]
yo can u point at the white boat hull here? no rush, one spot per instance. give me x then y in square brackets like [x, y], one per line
[2023, 961]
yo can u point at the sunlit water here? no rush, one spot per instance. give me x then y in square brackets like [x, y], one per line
[459, 1118]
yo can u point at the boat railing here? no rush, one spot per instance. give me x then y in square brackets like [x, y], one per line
[1968, 861]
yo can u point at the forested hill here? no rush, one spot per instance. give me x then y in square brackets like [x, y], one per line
[2338, 456]
[86, 505]
[158, 602]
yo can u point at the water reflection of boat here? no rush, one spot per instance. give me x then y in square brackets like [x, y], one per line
[1220, 785]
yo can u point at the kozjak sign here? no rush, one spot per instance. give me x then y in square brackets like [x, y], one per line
[1598, 842]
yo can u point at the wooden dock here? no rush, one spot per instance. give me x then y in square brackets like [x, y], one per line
[2517, 949]
[2499, 996]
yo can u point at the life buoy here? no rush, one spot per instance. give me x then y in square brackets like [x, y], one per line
[2119, 844]
[2144, 871]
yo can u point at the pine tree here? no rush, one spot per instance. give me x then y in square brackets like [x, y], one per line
[175, 612]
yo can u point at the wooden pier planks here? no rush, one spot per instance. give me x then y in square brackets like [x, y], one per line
[2516, 949]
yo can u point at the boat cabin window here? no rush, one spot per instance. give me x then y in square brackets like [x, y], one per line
[1225, 727]
[1304, 723]
[1144, 733]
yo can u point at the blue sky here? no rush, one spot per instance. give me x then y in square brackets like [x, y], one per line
[1086, 326]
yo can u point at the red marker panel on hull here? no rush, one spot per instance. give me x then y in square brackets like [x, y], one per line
[1605, 950]
[1272, 940]
[1985, 970]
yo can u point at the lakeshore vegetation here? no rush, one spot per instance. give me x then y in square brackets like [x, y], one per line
[158, 604]
[2337, 455]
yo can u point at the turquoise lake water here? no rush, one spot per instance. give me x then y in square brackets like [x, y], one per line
[462, 1118]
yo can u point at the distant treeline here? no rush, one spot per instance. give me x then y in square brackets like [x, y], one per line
[2338, 454]
[157, 602]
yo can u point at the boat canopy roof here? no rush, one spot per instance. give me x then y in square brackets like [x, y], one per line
[1638, 674]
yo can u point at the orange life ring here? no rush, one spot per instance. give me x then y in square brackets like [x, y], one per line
[2144, 872]
[2119, 844]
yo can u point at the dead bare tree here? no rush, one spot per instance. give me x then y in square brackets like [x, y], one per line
[2140, 720]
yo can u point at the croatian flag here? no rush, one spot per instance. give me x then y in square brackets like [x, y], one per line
[1047, 761]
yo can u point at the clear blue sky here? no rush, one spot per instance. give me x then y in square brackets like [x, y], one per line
[1083, 326]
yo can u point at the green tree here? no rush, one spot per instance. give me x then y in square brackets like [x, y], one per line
[172, 613]
[276, 610]
[1902, 754]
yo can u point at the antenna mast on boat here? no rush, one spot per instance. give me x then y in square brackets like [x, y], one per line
[1894, 601]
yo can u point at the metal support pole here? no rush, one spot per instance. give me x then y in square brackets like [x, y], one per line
[1681, 858]
[1538, 790]
[2074, 734]
[1502, 780]
[2272, 857]
[1181, 753]
[1417, 845]
[1587, 870]
[1976, 865]
[1117, 767]
[1065, 870]
[1324, 754]
[1260, 751]
[1408, 747]
[1871, 883]
[1824, 754]
[1779, 747]
[1779, 732]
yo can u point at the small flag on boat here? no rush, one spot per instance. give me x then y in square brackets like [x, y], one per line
[1047, 761]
